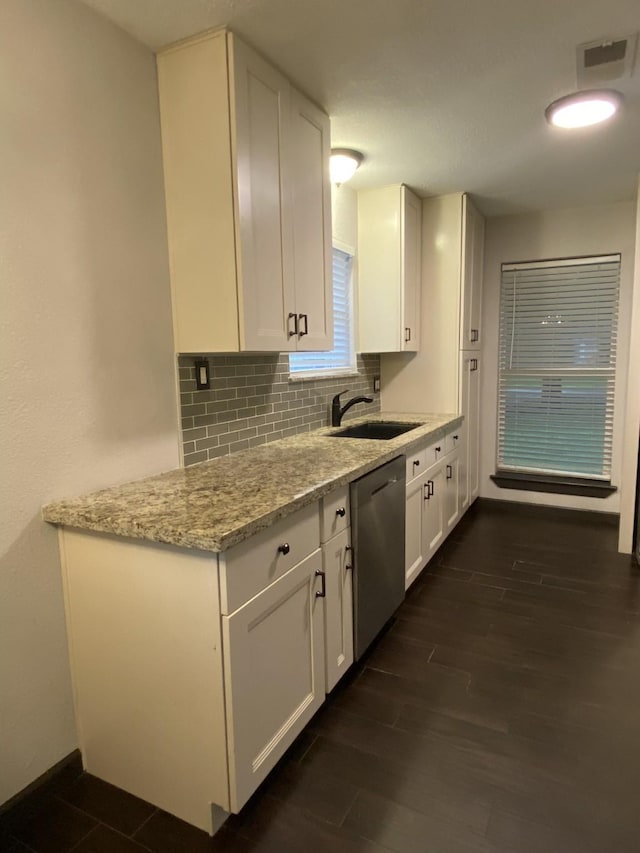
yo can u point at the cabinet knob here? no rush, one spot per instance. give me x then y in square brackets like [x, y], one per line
[455, 437]
[416, 463]
[438, 450]
[284, 548]
[341, 512]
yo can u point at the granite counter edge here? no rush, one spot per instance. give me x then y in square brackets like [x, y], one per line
[59, 514]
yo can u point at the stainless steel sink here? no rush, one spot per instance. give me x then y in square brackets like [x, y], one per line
[378, 430]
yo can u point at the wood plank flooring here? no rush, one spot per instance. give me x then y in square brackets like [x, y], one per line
[499, 713]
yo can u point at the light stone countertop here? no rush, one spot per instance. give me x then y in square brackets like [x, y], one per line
[215, 505]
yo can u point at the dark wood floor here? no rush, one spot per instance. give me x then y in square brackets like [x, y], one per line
[500, 713]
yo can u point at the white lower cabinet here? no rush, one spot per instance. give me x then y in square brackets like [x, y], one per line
[432, 500]
[274, 673]
[193, 671]
[424, 520]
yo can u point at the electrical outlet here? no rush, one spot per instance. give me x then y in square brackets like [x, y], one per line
[376, 384]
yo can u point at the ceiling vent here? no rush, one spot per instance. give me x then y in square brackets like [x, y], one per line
[600, 62]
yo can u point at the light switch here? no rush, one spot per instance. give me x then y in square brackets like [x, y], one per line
[202, 374]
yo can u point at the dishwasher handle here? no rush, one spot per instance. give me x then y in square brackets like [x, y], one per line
[389, 482]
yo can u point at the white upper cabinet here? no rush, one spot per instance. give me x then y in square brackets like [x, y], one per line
[246, 162]
[389, 241]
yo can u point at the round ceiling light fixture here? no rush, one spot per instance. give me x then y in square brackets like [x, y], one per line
[582, 109]
[343, 164]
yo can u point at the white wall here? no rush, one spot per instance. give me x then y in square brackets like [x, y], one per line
[632, 413]
[344, 215]
[602, 229]
[86, 366]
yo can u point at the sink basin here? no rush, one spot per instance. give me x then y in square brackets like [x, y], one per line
[379, 430]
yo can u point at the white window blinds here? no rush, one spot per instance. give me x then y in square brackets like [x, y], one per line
[342, 357]
[557, 352]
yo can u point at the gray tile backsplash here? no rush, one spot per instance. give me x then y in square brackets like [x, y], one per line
[251, 401]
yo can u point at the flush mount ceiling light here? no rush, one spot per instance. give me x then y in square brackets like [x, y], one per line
[583, 108]
[344, 162]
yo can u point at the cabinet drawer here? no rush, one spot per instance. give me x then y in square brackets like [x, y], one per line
[334, 513]
[255, 563]
[416, 463]
[435, 452]
[452, 441]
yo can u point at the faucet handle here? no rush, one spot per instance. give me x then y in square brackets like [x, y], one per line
[336, 399]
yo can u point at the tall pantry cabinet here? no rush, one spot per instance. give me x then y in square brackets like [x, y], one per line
[444, 376]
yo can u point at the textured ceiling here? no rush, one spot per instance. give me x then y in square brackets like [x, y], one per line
[443, 95]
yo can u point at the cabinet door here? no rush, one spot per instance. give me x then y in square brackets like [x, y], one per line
[411, 263]
[472, 261]
[338, 605]
[433, 510]
[473, 430]
[309, 151]
[274, 673]
[260, 116]
[451, 502]
[469, 473]
[414, 548]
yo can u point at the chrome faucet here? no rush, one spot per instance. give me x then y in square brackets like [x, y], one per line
[337, 412]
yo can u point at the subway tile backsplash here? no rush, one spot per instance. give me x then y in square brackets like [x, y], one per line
[251, 401]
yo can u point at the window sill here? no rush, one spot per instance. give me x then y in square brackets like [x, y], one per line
[329, 374]
[555, 485]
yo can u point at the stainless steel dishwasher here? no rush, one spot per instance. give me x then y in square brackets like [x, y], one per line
[377, 519]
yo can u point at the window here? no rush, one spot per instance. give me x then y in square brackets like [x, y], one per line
[557, 354]
[342, 358]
